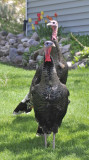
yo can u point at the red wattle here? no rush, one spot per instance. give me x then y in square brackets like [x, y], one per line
[47, 55]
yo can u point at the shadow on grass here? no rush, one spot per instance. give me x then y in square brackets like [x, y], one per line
[77, 144]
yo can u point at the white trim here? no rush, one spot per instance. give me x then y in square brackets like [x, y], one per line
[26, 17]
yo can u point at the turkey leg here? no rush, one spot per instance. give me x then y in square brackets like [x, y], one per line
[53, 140]
[45, 136]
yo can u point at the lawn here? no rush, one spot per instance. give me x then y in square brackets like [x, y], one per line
[18, 139]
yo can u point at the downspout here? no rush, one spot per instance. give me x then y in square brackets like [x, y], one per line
[26, 17]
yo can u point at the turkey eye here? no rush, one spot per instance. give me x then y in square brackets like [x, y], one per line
[47, 43]
[53, 22]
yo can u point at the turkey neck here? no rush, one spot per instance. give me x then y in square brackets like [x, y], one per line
[49, 74]
[55, 53]
[54, 33]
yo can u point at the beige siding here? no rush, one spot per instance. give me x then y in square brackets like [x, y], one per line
[73, 15]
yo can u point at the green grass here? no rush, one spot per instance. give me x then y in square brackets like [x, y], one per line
[18, 139]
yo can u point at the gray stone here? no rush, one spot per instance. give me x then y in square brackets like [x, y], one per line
[7, 43]
[13, 54]
[15, 45]
[32, 42]
[36, 53]
[2, 42]
[24, 40]
[20, 51]
[31, 64]
[4, 33]
[64, 39]
[24, 62]
[26, 44]
[65, 48]
[26, 50]
[2, 37]
[20, 36]
[82, 65]
[35, 36]
[69, 63]
[12, 41]
[4, 51]
[20, 45]
[67, 56]
[39, 58]
[10, 36]
[31, 61]
[5, 59]
[18, 59]
[77, 53]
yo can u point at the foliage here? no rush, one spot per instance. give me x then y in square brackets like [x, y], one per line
[31, 51]
[7, 12]
[84, 54]
[18, 139]
[12, 27]
[20, 7]
[75, 46]
[44, 31]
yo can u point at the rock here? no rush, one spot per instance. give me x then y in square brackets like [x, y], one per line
[69, 63]
[20, 45]
[2, 42]
[13, 54]
[12, 41]
[77, 53]
[20, 36]
[32, 42]
[26, 50]
[24, 40]
[39, 58]
[65, 48]
[26, 44]
[4, 51]
[20, 51]
[35, 36]
[10, 36]
[15, 45]
[31, 64]
[74, 66]
[5, 59]
[18, 59]
[4, 33]
[2, 37]
[36, 53]
[7, 43]
[64, 39]
[24, 62]
[81, 65]
[67, 56]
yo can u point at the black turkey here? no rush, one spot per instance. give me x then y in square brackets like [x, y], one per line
[49, 97]
[61, 67]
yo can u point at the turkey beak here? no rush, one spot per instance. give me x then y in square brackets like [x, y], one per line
[49, 24]
[53, 45]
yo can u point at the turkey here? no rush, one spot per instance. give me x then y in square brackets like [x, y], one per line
[49, 97]
[60, 63]
[61, 67]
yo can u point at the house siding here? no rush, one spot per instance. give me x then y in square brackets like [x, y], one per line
[73, 15]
